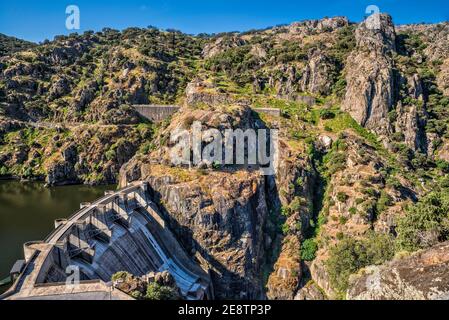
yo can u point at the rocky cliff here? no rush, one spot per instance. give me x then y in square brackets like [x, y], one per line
[370, 79]
[229, 215]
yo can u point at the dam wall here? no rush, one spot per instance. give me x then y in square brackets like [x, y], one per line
[158, 113]
[123, 231]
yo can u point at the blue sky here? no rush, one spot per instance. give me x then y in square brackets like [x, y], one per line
[38, 20]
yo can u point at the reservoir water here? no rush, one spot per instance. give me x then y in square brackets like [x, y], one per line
[28, 211]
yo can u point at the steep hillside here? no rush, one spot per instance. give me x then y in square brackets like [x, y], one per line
[364, 145]
[10, 45]
[83, 86]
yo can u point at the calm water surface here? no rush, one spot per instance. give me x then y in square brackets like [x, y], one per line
[28, 211]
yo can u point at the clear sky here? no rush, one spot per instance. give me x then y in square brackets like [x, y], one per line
[37, 20]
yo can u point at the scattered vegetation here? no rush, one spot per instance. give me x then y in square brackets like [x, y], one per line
[158, 292]
[350, 255]
[426, 223]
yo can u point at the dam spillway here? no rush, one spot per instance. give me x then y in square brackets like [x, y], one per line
[123, 231]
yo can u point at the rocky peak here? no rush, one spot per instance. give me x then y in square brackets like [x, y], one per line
[377, 34]
[370, 77]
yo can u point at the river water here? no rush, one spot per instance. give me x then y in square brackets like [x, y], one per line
[28, 211]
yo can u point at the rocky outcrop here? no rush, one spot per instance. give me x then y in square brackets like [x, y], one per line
[411, 114]
[421, 276]
[370, 79]
[323, 25]
[443, 78]
[225, 227]
[219, 214]
[284, 281]
[222, 44]
[59, 88]
[61, 173]
[286, 85]
[310, 292]
[85, 96]
[319, 75]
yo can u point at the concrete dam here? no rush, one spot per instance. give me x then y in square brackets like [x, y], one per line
[123, 231]
[158, 113]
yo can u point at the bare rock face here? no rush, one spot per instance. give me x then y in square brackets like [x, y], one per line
[284, 281]
[443, 152]
[59, 88]
[422, 276]
[61, 173]
[286, 86]
[370, 95]
[411, 118]
[224, 226]
[443, 78]
[85, 96]
[438, 40]
[310, 292]
[319, 74]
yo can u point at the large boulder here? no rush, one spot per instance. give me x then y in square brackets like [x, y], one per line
[421, 276]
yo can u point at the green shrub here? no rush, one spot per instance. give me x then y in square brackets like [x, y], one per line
[443, 165]
[350, 255]
[326, 114]
[342, 197]
[384, 201]
[3, 171]
[110, 155]
[425, 224]
[295, 205]
[158, 292]
[285, 229]
[285, 211]
[308, 250]
[122, 275]
[137, 295]
[343, 220]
